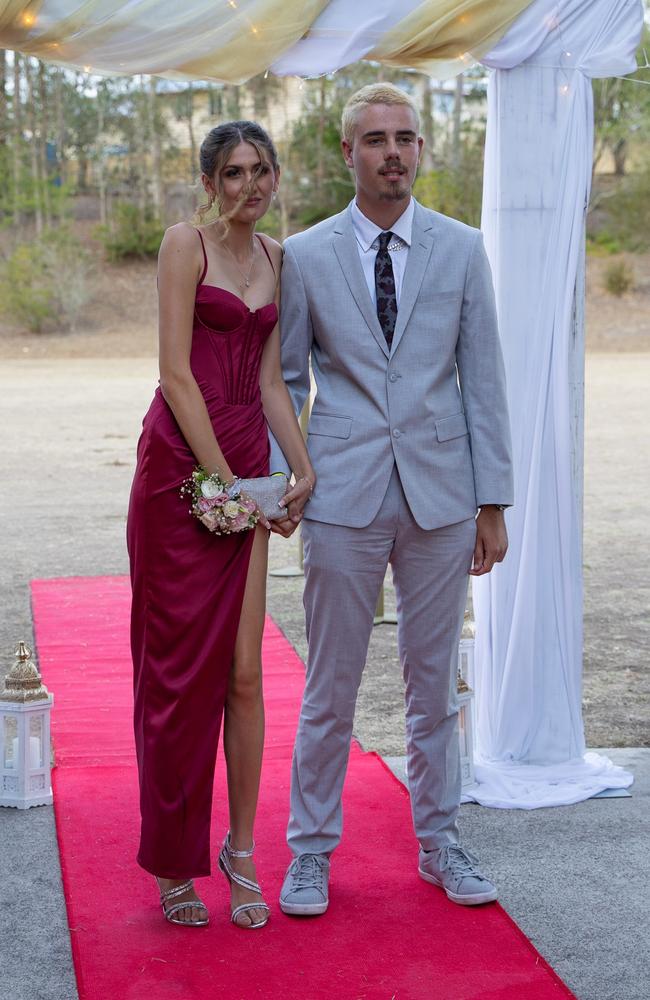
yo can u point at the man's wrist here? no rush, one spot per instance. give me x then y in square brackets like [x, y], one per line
[494, 506]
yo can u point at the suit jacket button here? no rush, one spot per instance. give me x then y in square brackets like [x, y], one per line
[396, 433]
[392, 377]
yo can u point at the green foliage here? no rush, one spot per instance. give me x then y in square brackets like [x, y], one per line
[628, 212]
[25, 294]
[46, 281]
[129, 234]
[456, 191]
[621, 112]
[602, 244]
[618, 278]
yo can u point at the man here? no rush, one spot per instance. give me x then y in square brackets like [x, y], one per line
[409, 437]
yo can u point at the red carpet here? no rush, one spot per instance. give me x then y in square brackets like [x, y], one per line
[386, 936]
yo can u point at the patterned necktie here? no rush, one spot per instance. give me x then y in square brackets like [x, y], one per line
[385, 288]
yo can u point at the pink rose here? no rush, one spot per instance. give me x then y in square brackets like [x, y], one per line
[241, 522]
[204, 504]
[249, 504]
[210, 520]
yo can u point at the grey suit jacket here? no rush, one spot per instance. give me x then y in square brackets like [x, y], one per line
[435, 404]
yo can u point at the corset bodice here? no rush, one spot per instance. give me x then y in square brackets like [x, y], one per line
[227, 343]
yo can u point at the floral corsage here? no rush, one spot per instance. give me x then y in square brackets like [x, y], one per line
[221, 510]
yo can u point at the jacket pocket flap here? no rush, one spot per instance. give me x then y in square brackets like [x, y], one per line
[451, 427]
[338, 427]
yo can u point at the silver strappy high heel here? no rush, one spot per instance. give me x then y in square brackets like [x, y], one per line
[228, 852]
[178, 890]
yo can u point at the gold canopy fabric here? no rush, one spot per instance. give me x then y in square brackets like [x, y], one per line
[441, 36]
[233, 40]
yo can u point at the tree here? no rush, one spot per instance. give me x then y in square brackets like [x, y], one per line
[621, 113]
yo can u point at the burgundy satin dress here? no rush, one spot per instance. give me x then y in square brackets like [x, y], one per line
[188, 585]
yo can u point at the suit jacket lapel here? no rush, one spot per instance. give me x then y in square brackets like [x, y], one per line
[347, 251]
[416, 265]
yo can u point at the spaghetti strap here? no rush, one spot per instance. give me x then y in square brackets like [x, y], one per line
[268, 255]
[205, 259]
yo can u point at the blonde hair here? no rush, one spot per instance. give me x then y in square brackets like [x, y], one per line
[374, 93]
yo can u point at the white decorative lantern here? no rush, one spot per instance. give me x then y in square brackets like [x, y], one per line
[466, 701]
[25, 706]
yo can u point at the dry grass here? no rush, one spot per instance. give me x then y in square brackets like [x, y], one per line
[120, 320]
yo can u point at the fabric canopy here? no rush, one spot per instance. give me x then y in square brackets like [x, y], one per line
[232, 40]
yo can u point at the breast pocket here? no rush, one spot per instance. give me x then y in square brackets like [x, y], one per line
[429, 297]
[329, 425]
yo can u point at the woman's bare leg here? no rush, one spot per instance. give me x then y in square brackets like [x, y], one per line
[243, 731]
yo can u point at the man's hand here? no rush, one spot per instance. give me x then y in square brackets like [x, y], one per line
[284, 526]
[491, 540]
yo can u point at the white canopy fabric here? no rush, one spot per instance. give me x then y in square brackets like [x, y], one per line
[538, 163]
[233, 40]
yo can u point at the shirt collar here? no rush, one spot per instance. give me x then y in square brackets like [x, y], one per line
[367, 232]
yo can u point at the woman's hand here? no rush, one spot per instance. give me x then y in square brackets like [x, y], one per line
[294, 502]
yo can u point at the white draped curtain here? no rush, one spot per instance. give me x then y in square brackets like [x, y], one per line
[538, 164]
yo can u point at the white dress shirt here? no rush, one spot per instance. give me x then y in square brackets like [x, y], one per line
[367, 232]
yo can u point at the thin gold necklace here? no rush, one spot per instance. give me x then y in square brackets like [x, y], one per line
[246, 277]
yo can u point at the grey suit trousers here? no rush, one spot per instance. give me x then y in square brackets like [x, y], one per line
[344, 571]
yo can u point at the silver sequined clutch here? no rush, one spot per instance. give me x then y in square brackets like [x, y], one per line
[267, 491]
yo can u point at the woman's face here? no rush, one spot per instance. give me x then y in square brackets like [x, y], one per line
[244, 185]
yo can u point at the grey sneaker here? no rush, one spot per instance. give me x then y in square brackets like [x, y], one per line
[304, 890]
[456, 871]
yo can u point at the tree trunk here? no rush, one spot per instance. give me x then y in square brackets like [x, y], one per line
[456, 122]
[320, 141]
[426, 103]
[3, 99]
[17, 144]
[141, 143]
[101, 171]
[82, 172]
[42, 143]
[156, 151]
[233, 107]
[190, 129]
[33, 146]
[60, 127]
[619, 151]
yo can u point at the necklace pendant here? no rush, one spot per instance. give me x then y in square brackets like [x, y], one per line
[247, 282]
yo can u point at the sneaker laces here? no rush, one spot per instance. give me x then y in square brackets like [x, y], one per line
[308, 872]
[461, 863]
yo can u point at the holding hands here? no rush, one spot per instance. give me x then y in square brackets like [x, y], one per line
[294, 502]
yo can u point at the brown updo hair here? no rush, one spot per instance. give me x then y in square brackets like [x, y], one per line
[219, 143]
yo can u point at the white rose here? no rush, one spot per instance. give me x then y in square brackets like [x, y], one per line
[231, 508]
[210, 489]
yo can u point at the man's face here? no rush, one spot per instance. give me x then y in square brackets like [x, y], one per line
[385, 152]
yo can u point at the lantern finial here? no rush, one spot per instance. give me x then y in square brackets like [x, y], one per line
[23, 682]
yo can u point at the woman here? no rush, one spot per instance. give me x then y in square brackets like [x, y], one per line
[199, 599]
